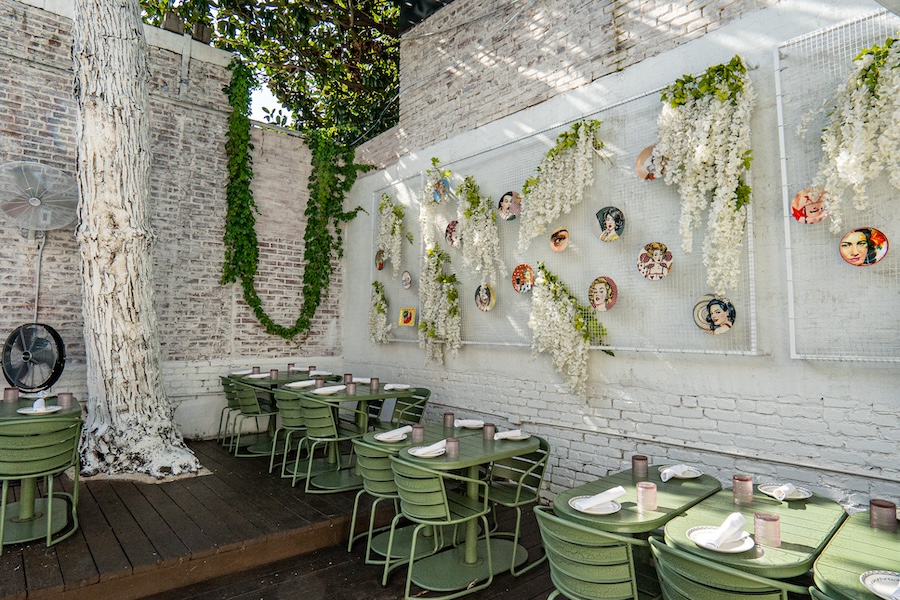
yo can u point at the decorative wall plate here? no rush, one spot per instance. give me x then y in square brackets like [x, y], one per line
[451, 234]
[379, 260]
[485, 297]
[646, 167]
[714, 315]
[609, 223]
[603, 293]
[510, 206]
[808, 205]
[407, 317]
[442, 190]
[523, 278]
[864, 246]
[559, 239]
[655, 261]
[406, 280]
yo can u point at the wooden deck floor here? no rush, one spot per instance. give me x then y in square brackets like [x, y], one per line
[236, 533]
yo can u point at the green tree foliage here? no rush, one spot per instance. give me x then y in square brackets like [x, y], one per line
[333, 63]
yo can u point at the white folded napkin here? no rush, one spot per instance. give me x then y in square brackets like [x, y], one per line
[423, 450]
[39, 405]
[242, 372]
[731, 530]
[394, 434]
[783, 491]
[468, 423]
[396, 386]
[301, 384]
[314, 373]
[895, 595]
[365, 380]
[512, 433]
[598, 499]
[673, 471]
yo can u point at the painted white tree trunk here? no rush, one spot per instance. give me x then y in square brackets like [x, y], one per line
[129, 426]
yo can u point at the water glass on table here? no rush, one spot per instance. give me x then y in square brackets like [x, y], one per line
[646, 495]
[320, 382]
[742, 489]
[273, 374]
[449, 420]
[488, 431]
[373, 384]
[11, 394]
[351, 389]
[639, 466]
[883, 515]
[418, 433]
[767, 529]
[65, 399]
[348, 377]
[452, 447]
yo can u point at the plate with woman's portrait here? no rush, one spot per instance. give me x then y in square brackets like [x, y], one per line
[609, 223]
[406, 280]
[510, 206]
[603, 293]
[714, 315]
[485, 297]
[379, 260]
[808, 205]
[451, 234]
[559, 239]
[523, 278]
[647, 166]
[441, 190]
[655, 261]
[864, 246]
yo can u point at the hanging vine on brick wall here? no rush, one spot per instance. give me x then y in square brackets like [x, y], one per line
[333, 175]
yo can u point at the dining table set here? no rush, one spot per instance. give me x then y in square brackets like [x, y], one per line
[778, 532]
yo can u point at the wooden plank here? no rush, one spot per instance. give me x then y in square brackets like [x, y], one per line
[157, 530]
[12, 573]
[196, 542]
[75, 561]
[140, 552]
[104, 548]
[204, 518]
[42, 568]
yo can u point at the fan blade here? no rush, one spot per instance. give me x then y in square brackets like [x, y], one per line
[43, 354]
[18, 373]
[26, 338]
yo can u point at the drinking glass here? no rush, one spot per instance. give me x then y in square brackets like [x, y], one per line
[273, 374]
[351, 389]
[452, 447]
[646, 495]
[449, 419]
[639, 468]
[742, 489]
[11, 394]
[312, 367]
[489, 430]
[348, 377]
[320, 382]
[290, 367]
[418, 433]
[64, 399]
[254, 370]
[767, 529]
[374, 383]
[883, 515]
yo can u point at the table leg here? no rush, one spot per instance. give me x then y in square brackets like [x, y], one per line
[26, 498]
[471, 543]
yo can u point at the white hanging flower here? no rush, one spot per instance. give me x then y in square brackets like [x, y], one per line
[560, 182]
[440, 323]
[562, 327]
[390, 231]
[862, 137]
[704, 140]
[479, 237]
[379, 326]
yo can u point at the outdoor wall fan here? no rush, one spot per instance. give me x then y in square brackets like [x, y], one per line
[36, 198]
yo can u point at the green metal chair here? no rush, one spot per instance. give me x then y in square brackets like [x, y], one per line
[250, 408]
[291, 421]
[818, 594]
[586, 563]
[231, 408]
[426, 501]
[685, 576]
[516, 482]
[42, 448]
[407, 411]
[324, 431]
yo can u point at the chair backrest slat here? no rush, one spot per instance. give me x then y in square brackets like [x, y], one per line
[39, 446]
[422, 493]
[290, 408]
[375, 468]
[318, 417]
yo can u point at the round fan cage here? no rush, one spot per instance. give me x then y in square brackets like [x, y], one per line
[33, 357]
[37, 197]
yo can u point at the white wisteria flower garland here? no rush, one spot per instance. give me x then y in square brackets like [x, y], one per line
[862, 137]
[704, 143]
[563, 327]
[561, 179]
[479, 237]
[390, 231]
[440, 323]
[379, 326]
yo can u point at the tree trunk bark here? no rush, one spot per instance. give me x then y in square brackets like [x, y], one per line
[130, 424]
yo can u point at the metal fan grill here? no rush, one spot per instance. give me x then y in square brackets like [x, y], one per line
[37, 197]
[33, 357]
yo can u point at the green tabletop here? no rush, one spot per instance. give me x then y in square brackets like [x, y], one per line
[806, 526]
[672, 498]
[434, 432]
[9, 410]
[855, 549]
[458, 568]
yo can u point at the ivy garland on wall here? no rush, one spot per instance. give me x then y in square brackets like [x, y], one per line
[333, 175]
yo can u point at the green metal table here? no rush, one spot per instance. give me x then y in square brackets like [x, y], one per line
[806, 526]
[459, 567]
[673, 498]
[855, 549]
[348, 479]
[26, 519]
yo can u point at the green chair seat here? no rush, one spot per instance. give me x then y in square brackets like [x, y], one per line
[324, 430]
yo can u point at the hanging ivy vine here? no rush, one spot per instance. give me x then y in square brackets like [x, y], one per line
[333, 175]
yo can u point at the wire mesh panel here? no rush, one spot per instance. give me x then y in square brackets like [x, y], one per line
[649, 314]
[837, 310]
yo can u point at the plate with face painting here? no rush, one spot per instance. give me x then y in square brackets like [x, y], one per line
[714, 315]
